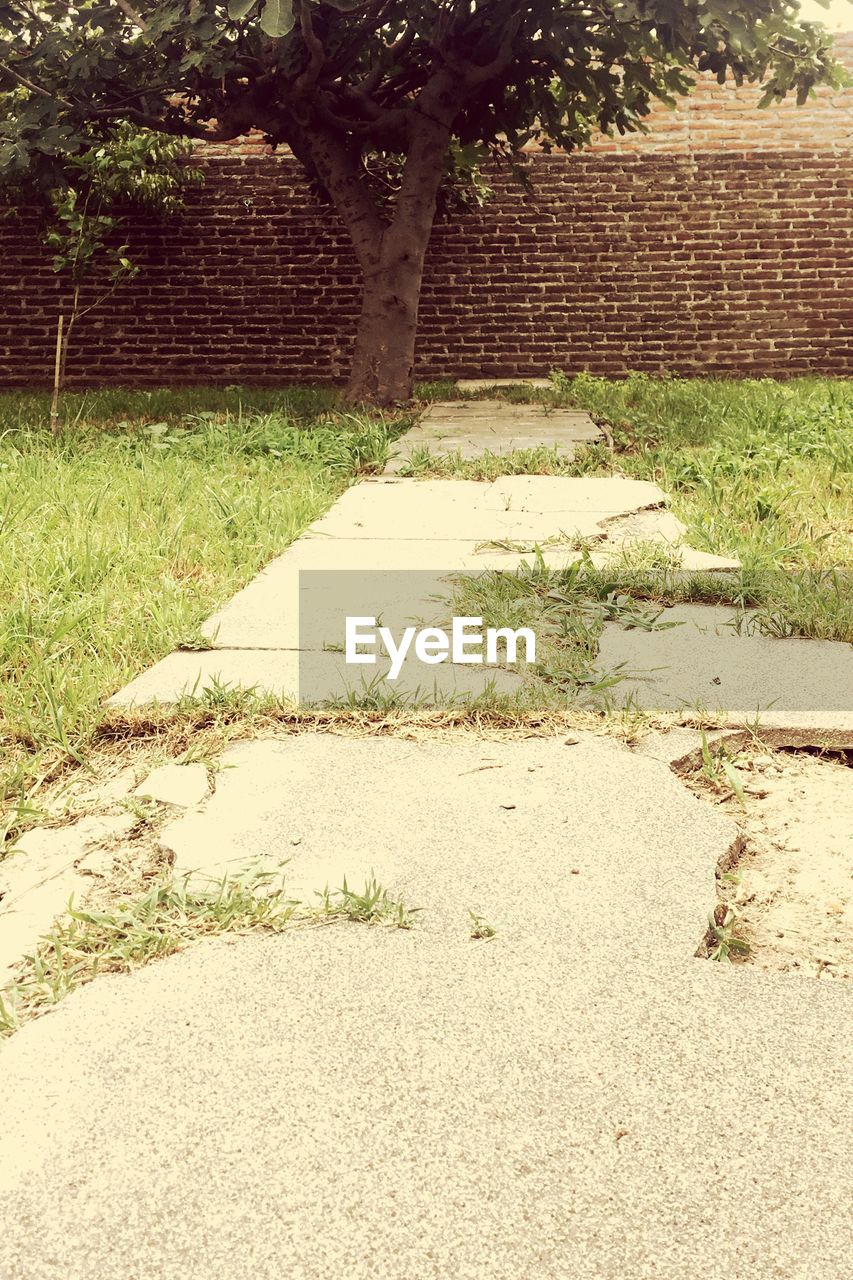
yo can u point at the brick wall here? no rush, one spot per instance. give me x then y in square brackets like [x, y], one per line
[721, 242]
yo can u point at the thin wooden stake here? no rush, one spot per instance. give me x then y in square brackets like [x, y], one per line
[57, 367]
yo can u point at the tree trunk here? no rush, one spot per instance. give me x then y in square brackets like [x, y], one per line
[383, 360]
[384, 354]
[391, 255]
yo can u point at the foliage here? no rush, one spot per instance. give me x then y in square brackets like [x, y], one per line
[345, 82]
[127, 167]
[171, 916]
[549, 70]
[374, 905]
[120, 538]
[481, 930]
[386, 103]
[723, 940]
[131, 166]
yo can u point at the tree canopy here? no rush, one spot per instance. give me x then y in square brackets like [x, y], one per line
[375, 95]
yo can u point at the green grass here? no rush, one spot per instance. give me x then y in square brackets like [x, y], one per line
[171, 916]
[567, 610]
[759, 470]
[113, 405]
[121, 535]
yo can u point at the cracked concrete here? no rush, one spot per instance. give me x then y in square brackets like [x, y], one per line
[181, 785]
[41, 874]
[418, 532]
[704, 663]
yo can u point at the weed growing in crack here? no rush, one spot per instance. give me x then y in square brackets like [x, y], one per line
[83, 944]
[374, 905]
[723, 939]
[480, 928]
[719, 769]
[171, 916]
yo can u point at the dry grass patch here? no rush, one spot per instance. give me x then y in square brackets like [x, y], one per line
[788, 895]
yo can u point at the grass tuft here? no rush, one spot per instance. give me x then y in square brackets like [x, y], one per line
[373, 905]
[173, 915]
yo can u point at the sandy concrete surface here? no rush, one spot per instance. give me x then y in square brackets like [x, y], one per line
[41, 874]
[500, 815]
[579, 1097]
[794, 888]
[702, 662]
[523, 508]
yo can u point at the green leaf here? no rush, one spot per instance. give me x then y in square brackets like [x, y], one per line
[734, 781]
[277, 18]
[238, 9]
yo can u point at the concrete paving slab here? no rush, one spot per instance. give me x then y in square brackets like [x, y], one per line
[424, 529]
[578, 1098]
[483, 384]
[524, 508]
[608, 497]
[183, 785]
[502, 416]
[304, 677]
[266, 613]
[336, 806]
[471, 428]
[692, 561]
[703, 662]
[40, 875]
[183, 674]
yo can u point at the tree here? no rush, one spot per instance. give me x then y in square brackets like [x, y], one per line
[380, 100]
[133, 167]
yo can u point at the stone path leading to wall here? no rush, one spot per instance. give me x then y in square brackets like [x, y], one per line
[469, 428]
[579, 1095]
[390, 548]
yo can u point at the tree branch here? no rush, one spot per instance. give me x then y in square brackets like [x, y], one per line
[385, 129]
[373, 79]
[309, 77]
[129, 12]
[33, 87]
[476, 74]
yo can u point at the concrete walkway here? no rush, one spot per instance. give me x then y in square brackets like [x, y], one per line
[578, 1097]
[390, 548]
[468, 429]
[581, 1096]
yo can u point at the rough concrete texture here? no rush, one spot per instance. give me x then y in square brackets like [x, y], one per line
[183, 785]
[704, 663]
[578, 1098]
[607, 497]
[524, 508]
[303, 677]
[40, 875]
[471, 428]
